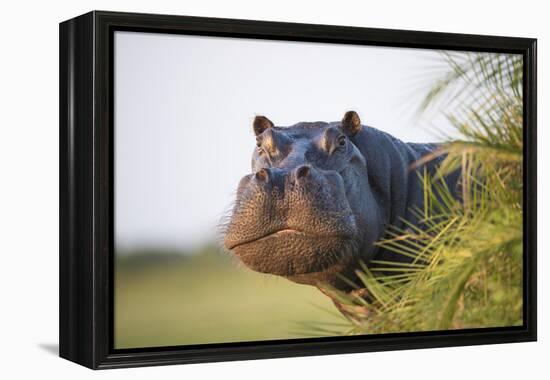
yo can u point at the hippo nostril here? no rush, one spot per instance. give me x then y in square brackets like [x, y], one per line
[302, 171]
[262, 175]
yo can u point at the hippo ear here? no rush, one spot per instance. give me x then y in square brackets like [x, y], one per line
[261, 123]
[351, 124]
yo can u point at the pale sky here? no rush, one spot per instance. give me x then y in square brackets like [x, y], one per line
[184, 106]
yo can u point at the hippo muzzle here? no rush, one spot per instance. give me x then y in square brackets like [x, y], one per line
[293, 222]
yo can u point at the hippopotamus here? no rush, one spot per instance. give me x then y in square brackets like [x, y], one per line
[320, 195]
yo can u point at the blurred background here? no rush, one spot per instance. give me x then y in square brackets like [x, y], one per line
[183, 138]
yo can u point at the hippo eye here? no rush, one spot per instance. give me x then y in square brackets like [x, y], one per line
[342, 140]
[259, 146]
[335, 145]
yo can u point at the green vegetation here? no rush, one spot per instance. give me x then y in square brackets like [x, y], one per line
[465, 267]
[168, 298]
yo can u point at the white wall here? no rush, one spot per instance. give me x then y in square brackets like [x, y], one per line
[29, 190]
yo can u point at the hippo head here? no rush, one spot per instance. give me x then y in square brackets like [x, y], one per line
[306, 212]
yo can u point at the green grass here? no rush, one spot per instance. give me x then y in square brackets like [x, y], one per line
[170, 299]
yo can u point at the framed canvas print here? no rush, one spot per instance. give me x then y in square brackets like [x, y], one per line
[235, 189]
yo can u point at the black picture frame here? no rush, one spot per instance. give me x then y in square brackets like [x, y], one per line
[86, 189]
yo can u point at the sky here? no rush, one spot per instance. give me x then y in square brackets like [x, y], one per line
[184, 107]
